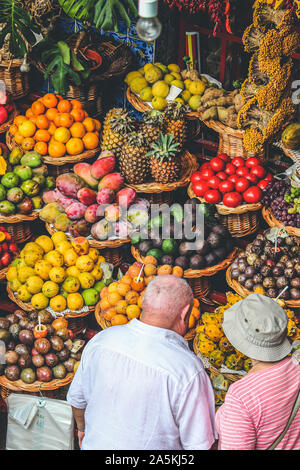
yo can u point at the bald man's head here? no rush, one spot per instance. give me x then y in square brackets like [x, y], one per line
[167, 303]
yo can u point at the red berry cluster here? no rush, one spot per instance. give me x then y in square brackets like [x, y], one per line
[8, 248]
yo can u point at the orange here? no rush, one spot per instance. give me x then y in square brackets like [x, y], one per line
[164, 269]
[97, 124]
[78, 114]
[89, 124]
[134, 270]
[104, 304]
[77, 130]
[196, 313]
[126, 279]
[109, 313]
[133, 311]
[119, 319]
[51, 113]
[38, 107]
[138, 284]
[59, 97]
[132, 297]
[150, 270]
[41, 148]
[50, 100]
[52, 128]
[42, 122]
[177, 271]
[29, 114]
[28, 143]
[121, 306]
[113, 298]
[140, 302]
[19, 119]
[64, 106]
[76, 104]
[90, 140]
[42, 135]
[103, 292]
[27, 128]
[122, 289]
[150, 260]
[62, 134]
[57, 119]
[113, 287]
[18, 138]
[13, 129]
[74, 146]
[56, 149]
[66, 120]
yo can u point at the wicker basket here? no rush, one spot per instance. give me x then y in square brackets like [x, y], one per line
[231, 141]
[273, 222]
[19, 226]
[239, 289]
[293, 154]
[189, 166]
[240, 221]
[48, 389]
[16, 82]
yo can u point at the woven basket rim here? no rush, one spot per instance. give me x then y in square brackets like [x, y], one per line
[29, 308]
[196, 273]
[10, 142]
[154, 187]
[96, 243]
[224, 210]
[37, 385]
[16, 218]
[273, 222]
[231, 377]
[239, 289]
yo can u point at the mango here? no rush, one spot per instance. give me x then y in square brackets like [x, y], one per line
[76, 211]
[75, 301]
[86, 196]
[24, 273]
[112, 181]
[34, 284]
[11, 273]
[70, 257]
[59, 237]
[58, 303]
[50, 289]
[97, 273]
[83, 171]
[23, 294]
[103, 166]
[31, 159]
[15, 284]
[93, 253]
[90, 296]
[57, 274]
[69, 184]
[45, 243]
[86, 280]
[63, 247]
[50, 212]
[72, 271]
[55, 258]
[62, 222]
[71, 284]
[80, 245]
[42, 269]
[84, 263]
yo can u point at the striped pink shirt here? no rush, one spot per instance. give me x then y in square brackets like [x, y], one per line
[257, 408]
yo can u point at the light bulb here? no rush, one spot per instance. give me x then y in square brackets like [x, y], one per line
[148, 26]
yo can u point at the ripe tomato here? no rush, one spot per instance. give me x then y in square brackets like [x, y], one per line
[238, 162]
[5, 259]
[230, 169]
[269, 177]
[206, 174]
[204, 166]
[232, 199]
[253, 194]
[196, 177]
[258, 171]
[217, 164]
[233, 178]
[252, 178]
[214, 182]
[242, 172]
[13, 248]
[200, 188]
[252, 161]
[226, 186]
[242, 184]
[222, 175]
[263, 184]
[224, 157]
[213, 196]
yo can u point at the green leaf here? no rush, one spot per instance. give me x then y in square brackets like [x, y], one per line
[75, 62]
[64, 50]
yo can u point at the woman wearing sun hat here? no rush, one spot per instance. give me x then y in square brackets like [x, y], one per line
[261, 411]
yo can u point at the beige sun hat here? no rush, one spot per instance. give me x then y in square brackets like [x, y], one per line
[257, 327]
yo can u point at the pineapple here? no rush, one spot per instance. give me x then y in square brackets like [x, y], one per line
[133, 161]
[116, 124]
[165, 161]
[175, 123]
[151, 125]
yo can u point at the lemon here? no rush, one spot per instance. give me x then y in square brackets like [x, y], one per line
[75, 301]
[39, 301]
[146, 94]
[58, 303]
[27, 128]
[141, 71]
[195, 102]
[63, 247]
[15, 284]
[131, 76]
[185, 95]
[178, 83]
[176, 75]
[97, 273]
[159, 103]
[24, 273]
[197, 88]
[93, 253]
[153, 74]
[70, 257]
[174, 68]
[168, 78]
[50, 289]
[84, 263]
[55, 258]
[161, 89]
[42, 269]
[137, 84]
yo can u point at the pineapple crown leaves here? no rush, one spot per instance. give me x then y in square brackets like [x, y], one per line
[153, 118]
[122, 123]
[164, 147]
[137, 139]
[175, 110]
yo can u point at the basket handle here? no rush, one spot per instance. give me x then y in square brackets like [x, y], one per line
[81, 36]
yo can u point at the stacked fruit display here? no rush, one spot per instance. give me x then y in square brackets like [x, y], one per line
[8, 248]
[38, 348]
[55, 273]
[213, 344]
[24, 178]
[122, 301]
[92, 201]
[231, 181]
[153, 82]
[283, 200]
[270, 265]
[203, 247]
[56, 127]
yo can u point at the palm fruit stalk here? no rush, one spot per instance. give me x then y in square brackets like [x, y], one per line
[165, 161]
[133, 161]
[175, 123]
[117, 124]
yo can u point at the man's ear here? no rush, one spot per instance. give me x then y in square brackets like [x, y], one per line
[185, 314]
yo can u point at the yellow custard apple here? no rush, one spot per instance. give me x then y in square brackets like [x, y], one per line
[206, 347]
[247, 365]
[234, 362]
[208, 318]
[214, 331]
[225, 345]
[216, 358]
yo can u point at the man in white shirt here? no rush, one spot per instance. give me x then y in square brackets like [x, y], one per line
[138, 386]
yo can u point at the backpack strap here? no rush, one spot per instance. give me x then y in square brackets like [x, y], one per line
[292, 416]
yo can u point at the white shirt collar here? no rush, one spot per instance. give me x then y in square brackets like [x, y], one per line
[156, 331]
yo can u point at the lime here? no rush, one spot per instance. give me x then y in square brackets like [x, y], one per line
[169, 246]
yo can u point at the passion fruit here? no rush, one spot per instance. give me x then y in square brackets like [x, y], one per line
[23, 323]
[42, 345]
[4, 335]
[44, 374]
[21, 349]
[63, 333]
[51, 359]
[57, 343]
[70, 364]
[24, 361]
[11, 358]
[20, 314]
[26, 337]
[14, 330]
[4, 324]
[45, 316]
[12, 318]
[59, 371]
[12, 373]
[63, 355]
[28, 375]
[38, 360]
